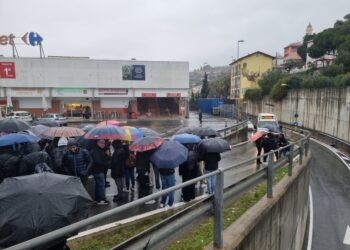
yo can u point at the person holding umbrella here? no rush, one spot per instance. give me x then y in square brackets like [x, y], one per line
[100, 164]
[77, 161]
[118, 168]
[210, 150]
[166, 158]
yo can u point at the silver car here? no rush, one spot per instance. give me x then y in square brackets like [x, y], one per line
[59, 118]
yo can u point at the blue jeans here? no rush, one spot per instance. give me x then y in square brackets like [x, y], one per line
[210, 182]
[129, 176]
[99, 186]
[167, 182]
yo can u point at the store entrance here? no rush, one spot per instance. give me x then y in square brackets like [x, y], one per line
[81, 109]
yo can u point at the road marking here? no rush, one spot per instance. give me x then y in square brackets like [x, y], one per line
[347, 236]
[311, 222]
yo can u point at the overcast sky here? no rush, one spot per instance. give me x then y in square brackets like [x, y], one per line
[196, 31]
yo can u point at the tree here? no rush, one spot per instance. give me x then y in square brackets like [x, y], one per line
[221, 87]
[269, 79]
[303, 48]
[205, 86]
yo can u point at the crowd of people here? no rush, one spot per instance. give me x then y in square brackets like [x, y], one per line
[271, 142]
[69, 157]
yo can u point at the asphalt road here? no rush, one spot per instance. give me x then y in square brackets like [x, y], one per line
[330, 186]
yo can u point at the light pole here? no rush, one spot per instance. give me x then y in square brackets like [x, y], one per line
[239, 41]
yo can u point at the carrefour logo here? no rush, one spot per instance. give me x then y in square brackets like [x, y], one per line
[29, 38]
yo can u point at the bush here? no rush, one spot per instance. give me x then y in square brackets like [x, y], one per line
[317, 82]
[342, 81]
[280, 90]
[333, 70]
[253, 95]
[269, 79]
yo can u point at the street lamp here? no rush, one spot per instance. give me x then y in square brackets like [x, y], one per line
[239, 41]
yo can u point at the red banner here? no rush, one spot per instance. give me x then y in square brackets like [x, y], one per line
[149, 94]
[7, 70]
[173, 94]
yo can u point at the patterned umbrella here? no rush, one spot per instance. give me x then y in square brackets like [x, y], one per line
[146, 144]
[133, 133]
[109, 123]
[106, 133]
[11, 125]
[63, 132]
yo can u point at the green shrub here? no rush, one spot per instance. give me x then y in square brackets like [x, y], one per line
[333, 70]
[279, 90]
[253, 95]
[269, 79]
[342, 81]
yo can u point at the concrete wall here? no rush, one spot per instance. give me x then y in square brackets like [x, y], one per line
[276, 223]
[238, 137]
[324, 110]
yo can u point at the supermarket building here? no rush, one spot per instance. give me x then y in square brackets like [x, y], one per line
[110, 87]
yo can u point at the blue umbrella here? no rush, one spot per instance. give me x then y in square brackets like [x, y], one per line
[169, 155]
[186, 138]
[12, 139]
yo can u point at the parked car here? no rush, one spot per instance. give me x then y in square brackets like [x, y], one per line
[59, 118]
[21, 115]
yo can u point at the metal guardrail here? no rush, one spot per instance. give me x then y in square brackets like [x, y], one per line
[237, 188]
[233, 129]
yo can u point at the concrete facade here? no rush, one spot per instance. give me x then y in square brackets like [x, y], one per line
[325, 110]
[102, 85]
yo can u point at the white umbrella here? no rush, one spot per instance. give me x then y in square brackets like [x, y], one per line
[44, 104]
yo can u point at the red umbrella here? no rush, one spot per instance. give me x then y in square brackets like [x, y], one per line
[257, 135]
[145, 144]
[109, 123]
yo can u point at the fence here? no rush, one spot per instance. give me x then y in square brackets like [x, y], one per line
[299, 148]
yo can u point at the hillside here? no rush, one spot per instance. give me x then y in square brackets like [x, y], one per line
[214, 73]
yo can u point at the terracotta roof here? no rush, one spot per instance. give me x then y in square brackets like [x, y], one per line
[297, 44]
[239, 59]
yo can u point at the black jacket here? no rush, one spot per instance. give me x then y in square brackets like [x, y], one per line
[28, 162]
[191, 163]
[9, 164]
[100, 161]
[269, 143]
[143, 162]
[78, 163]
[211, 161]
[118, 162]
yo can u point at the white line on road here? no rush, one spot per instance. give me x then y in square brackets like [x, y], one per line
[311, 222]
[347, 236]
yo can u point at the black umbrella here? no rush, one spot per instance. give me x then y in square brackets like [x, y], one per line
[213, 145]
[36, 204]
[206, 131]
[147, 132]
[11, 125]
[188, 130]
[47, 123]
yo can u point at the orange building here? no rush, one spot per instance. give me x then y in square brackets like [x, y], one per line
[291, 51]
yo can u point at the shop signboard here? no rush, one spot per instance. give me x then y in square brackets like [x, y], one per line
[7, 70]
[134, 72]
[71, 92]
[112, 92]
[27, 92]
[149, 94]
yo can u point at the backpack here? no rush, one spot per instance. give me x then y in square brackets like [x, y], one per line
[131, 161]
[42, 167]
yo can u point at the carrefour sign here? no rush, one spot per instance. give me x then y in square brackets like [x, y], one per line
[29, 38]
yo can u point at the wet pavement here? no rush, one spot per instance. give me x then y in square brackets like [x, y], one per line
[167, 128]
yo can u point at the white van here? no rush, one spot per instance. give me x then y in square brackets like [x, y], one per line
[267, 122]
